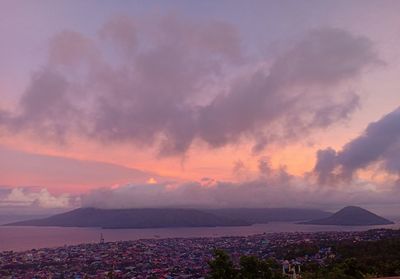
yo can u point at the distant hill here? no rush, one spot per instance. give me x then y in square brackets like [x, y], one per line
[5, 219]
[265, 215]
[351, 216]
[134, 218]
[166, 217]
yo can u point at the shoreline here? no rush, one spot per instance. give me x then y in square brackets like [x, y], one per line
[26, 238]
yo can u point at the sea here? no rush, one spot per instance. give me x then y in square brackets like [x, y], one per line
[26, 238]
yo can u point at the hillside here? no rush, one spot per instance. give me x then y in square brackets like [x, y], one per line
[133, 218]
[351, 216]
[163, 217]
[265, 215]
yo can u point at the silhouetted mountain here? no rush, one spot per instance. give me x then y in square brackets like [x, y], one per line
[351, 216]
[134, 218]
[5, 219]
[265, 215]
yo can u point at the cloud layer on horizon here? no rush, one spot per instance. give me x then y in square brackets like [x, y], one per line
[273, 189]
[175, 81]
[269, 188]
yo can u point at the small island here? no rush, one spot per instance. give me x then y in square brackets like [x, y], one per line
[351, 216]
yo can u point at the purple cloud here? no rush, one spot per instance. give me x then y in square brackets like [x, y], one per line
[379, 144]
[163, 86]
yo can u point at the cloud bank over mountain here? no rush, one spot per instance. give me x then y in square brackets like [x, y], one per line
[270, 188]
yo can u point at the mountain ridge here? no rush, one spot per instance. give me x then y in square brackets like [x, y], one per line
[133, 218]
[170, 217]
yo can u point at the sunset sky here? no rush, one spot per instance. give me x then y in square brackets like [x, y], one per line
[199, 104]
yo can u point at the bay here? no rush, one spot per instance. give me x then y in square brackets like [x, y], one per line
[25, 238]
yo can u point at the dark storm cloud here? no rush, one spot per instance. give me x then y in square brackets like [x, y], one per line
[379, 143]
[168, 84]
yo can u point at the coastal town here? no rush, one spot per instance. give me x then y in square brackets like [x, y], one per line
[171, 257]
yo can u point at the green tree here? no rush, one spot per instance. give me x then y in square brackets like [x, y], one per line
[221, 267]
[250, 267]
[253, 268]
[352, 268]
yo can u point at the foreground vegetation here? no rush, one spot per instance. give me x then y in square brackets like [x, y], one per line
[360, 260]
[369, 259]
[250, 267]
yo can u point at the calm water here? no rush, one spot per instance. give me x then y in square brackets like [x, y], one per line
[24, 238]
